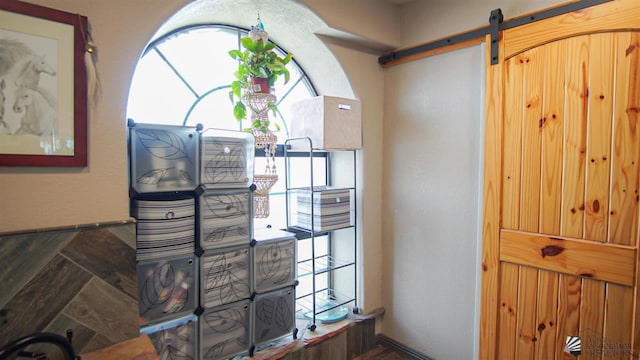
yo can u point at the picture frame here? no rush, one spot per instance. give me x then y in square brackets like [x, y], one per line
[43, 86]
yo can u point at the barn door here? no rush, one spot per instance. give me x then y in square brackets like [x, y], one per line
[562, 185]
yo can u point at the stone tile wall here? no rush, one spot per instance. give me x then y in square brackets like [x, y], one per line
[80, 279]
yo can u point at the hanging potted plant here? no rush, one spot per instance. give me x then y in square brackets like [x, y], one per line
[259, 67]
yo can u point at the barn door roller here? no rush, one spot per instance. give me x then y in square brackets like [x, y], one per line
[494, 28]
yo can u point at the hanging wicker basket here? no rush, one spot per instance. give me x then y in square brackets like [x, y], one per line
[258, 102]
[263, 184]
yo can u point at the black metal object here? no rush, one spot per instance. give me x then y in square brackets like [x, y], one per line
[17, 346]
[501, 25]
[432, 45]
[495, 20]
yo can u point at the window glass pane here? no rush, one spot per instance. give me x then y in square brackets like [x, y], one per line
[157, 95]
[297, 93]
[305, 286]
[277, 215]
[214, 110]
[301, 170]
[200, 56]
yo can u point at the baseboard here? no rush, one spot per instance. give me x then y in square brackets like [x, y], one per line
[400, 348]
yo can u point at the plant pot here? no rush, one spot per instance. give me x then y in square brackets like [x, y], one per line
[260, 85]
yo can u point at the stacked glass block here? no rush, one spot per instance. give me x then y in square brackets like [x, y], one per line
[205, 284]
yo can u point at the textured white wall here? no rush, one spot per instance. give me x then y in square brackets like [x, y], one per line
[430, 202]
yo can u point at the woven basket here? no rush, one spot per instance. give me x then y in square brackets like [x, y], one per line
[260, 207]
[264, 140]
[258, 103]
[263, 184]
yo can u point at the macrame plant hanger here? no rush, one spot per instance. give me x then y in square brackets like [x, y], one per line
[265, 138]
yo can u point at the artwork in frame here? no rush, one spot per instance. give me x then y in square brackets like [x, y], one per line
[43, 86]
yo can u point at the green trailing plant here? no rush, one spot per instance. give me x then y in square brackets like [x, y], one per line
[257, 60]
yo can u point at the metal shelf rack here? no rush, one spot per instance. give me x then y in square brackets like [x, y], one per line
[334, 291]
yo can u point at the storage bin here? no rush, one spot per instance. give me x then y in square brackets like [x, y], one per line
[331, 208]
[225, 276]
[175, 339]
[226, 159]
[273, 315]
[224, 218]
[163, 209]
[164, 158]
[167, 288]
[224, 331]
[332, 123]
[164, 227]
[274, 260]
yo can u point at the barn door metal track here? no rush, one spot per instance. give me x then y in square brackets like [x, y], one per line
[496, 24]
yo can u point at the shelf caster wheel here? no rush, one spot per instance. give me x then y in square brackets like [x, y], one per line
[356, 310]
[295, 334]
[312, 327]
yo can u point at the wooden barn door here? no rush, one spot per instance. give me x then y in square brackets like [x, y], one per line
[562, 189]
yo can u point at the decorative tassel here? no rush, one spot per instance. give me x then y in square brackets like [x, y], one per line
[90, 59]
[93, 81]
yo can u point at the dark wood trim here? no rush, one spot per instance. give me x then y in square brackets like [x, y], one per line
[400, 348]
[70, 227]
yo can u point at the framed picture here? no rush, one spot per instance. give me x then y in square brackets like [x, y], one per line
[43, 86]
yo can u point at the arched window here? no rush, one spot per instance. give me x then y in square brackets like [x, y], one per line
[184, 78]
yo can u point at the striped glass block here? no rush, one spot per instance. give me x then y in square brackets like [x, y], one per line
[164, 227]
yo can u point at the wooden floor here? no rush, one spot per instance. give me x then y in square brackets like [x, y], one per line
[381, 352]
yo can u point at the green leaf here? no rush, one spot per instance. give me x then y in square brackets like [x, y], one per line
[235, 54]
[286, 74]
[272, 80]
[269, 46]
[240, 111]
[236, 88]
[248, 44]
[259, 46]
[273, 108]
